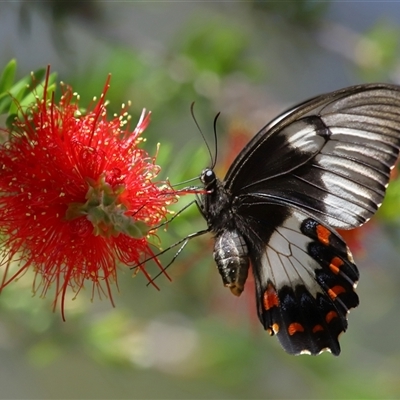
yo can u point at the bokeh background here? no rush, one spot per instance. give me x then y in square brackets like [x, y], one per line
[192, 339]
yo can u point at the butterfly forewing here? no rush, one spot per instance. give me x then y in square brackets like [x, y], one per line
[331, 156]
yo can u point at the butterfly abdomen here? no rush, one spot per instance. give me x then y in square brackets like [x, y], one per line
[232, 259]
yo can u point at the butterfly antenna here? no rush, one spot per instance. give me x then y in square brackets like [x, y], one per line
[202, 134]
[215, 140]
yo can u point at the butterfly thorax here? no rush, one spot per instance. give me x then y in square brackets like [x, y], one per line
[216, 205]
[230, 249]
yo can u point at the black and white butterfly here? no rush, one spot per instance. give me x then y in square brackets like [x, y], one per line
[321, 166]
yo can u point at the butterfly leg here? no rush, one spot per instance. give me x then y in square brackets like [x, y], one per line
[182, 243]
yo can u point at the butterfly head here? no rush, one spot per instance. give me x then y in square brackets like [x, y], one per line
[208, 178]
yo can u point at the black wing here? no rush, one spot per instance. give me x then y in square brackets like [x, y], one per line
[331, 156]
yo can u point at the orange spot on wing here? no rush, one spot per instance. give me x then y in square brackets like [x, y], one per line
[294, 328]
[273, 329]
[335, 291]
[270, 297]
[329, 317]
[335, 265]
[323, 235]
[317, 328]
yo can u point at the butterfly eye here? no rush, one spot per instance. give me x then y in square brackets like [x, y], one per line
[208, 177]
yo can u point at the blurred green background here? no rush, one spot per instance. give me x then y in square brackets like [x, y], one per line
[193, 339]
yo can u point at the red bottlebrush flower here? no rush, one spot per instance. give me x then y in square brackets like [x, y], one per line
[78, 196]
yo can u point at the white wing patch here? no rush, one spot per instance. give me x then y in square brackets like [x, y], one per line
[301, 135]
[286, 260]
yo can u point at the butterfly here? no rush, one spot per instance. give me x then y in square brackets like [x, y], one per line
[321, 166]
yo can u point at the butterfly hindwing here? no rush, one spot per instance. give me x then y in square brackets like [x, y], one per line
[305, 282]
[331, 156]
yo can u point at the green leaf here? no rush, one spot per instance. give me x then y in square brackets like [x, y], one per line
[31, 96]
[14, 94]
[8, 75]
[5, 102]
[28, 93]
[14, 97]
